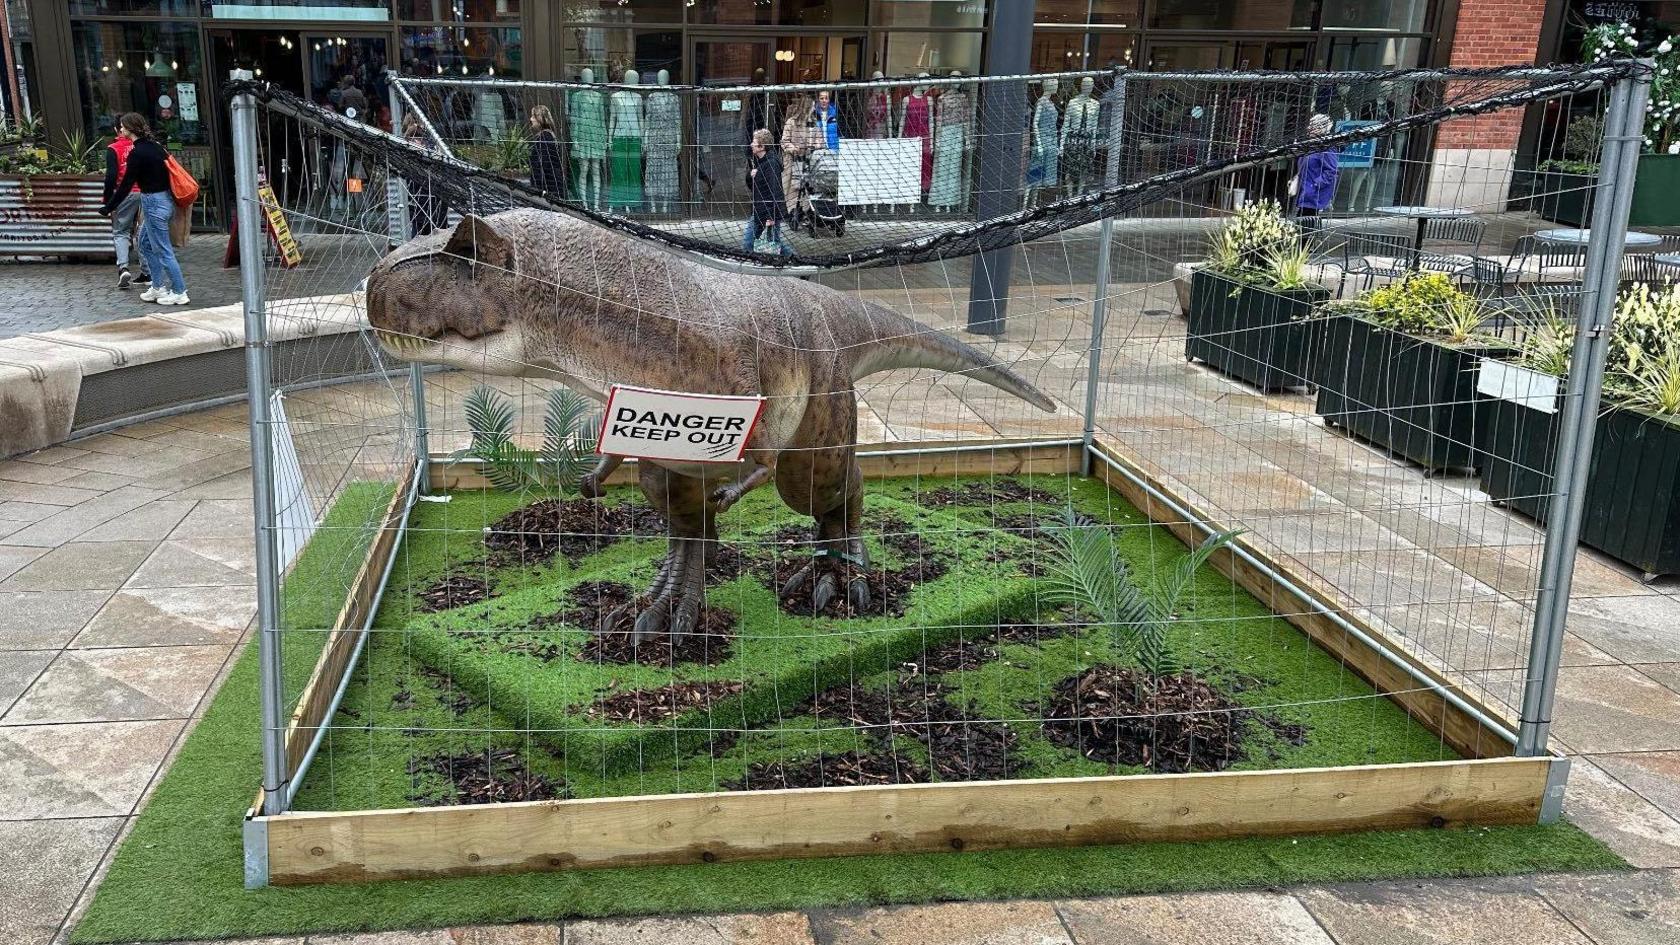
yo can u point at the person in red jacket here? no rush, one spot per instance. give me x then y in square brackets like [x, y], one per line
[147, 171]
[127, 213]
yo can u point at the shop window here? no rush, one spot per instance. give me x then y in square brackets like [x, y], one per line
[935, 14]
[134, 7]
[611, 51]
[625, 13]
[150, 68]
[1075, 50]
[1403, 16]
[779, 12]
[474, 51]
[365, 11]
[459, 11]
[1081, 12]
[1232, 14]
[906, 53]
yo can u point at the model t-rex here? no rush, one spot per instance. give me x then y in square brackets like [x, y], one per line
[537, 294]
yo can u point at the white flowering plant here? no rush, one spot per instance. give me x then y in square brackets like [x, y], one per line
[1662, 112]
[1259, 245]
[1642, 368]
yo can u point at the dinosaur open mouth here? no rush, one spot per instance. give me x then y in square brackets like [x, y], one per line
[403, 344]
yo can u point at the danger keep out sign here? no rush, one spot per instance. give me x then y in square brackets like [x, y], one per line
[663, 424]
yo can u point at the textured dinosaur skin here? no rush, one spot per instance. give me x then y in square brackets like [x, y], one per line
[536, 294]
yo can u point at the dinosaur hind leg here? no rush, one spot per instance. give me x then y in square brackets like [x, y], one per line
[673, 602]
[827, 485]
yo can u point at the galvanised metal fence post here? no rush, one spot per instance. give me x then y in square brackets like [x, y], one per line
[1105, 248]
[397, 220]
[1623, 133]
[249, 219]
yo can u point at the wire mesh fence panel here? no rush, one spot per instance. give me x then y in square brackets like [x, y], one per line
[709, 506]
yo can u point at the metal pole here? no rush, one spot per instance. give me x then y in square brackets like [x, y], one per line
[249, 217]
[1105, 248]
[396, 188]
[1003, 120]
[1623, 126]
[397, 220]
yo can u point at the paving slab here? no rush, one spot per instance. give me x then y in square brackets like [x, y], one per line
[81, 566]
[80, 770]
[524, 933]
[198, 562]
[119, 684]
[43, 866]
[1485, 912]
[780, 928]
[20, 470]
[42, 619]
[1235, 918]
[13, 560]
[977, 923]
[150, 522]
[18, 670]
[171, 616]
[73, 522]
[217, 518]
[415, 937]
[1613, 709]
[30, 512]
[1636, 829]
[1620, 909]
[1653, 775]
[58, 494]
[1634, 629]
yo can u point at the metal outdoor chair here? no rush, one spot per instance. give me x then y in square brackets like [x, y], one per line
[1643, 267]
[1551, 262]
[1513, 315]
[1488, 277]
[1369, 255]
[1462, 233]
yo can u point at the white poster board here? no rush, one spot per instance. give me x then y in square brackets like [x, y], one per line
[880, 170]
[294, 514]
[1518, 385]
[673, 425]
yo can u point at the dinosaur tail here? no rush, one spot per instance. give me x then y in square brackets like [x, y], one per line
[897, 342]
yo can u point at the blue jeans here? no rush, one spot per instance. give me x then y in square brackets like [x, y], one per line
[755, 226]
[122, 226]
[156, 210]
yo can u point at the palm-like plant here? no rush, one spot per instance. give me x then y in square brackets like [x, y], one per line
[568, 443]
[1085, 569]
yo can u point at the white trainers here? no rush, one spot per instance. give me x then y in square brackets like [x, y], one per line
[153, 294]
[173, 298]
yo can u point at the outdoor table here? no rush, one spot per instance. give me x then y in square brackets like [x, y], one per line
[1423, 215]
[1666, 259]
[1572, 237]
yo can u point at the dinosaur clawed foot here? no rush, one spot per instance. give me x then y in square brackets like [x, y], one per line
[674, 601]
[840, 565]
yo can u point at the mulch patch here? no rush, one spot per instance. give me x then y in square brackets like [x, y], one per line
[453, 590]
[889, 589]
[1179, 723]
[488, 777]
[662, 704]
[995, 492]
[710, 643]
[574, 528]
[958, 748]
[454, 698]
[843, 770]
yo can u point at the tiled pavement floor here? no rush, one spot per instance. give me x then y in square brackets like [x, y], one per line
[125, 587]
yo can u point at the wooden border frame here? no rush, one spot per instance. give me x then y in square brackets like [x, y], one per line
[1488, 788]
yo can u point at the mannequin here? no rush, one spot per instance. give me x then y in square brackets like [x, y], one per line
[586, 114]
[1079, 138]
[663, 145]
[953, 118]
[1045, 140]
[876, 109]
[1110, 112]
[624, 146]
[915, 120]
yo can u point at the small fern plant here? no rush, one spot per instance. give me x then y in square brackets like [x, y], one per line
[566, 453]
[1086, 571]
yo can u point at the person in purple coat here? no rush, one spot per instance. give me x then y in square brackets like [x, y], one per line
[1316, 173]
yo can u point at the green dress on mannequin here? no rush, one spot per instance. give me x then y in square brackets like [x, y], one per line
[624, 147]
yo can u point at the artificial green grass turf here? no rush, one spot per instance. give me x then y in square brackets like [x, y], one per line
[179, 873]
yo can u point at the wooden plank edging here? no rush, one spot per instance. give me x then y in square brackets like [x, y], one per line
[368, 846]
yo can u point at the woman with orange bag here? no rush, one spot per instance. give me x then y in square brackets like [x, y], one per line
[148, 170]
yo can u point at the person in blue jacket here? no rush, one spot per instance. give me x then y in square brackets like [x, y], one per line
[826, 117]
[1316, 173]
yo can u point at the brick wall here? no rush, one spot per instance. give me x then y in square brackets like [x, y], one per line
[1492, 33]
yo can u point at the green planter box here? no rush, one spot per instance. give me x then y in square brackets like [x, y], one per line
[1656, 191]
[1563, 198]
[1265, 337]
[1409, 395]
[1632, 500]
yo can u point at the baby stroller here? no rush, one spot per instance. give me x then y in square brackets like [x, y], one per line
[819, 193]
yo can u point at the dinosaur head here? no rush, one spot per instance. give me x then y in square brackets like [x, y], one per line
[450, 298]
